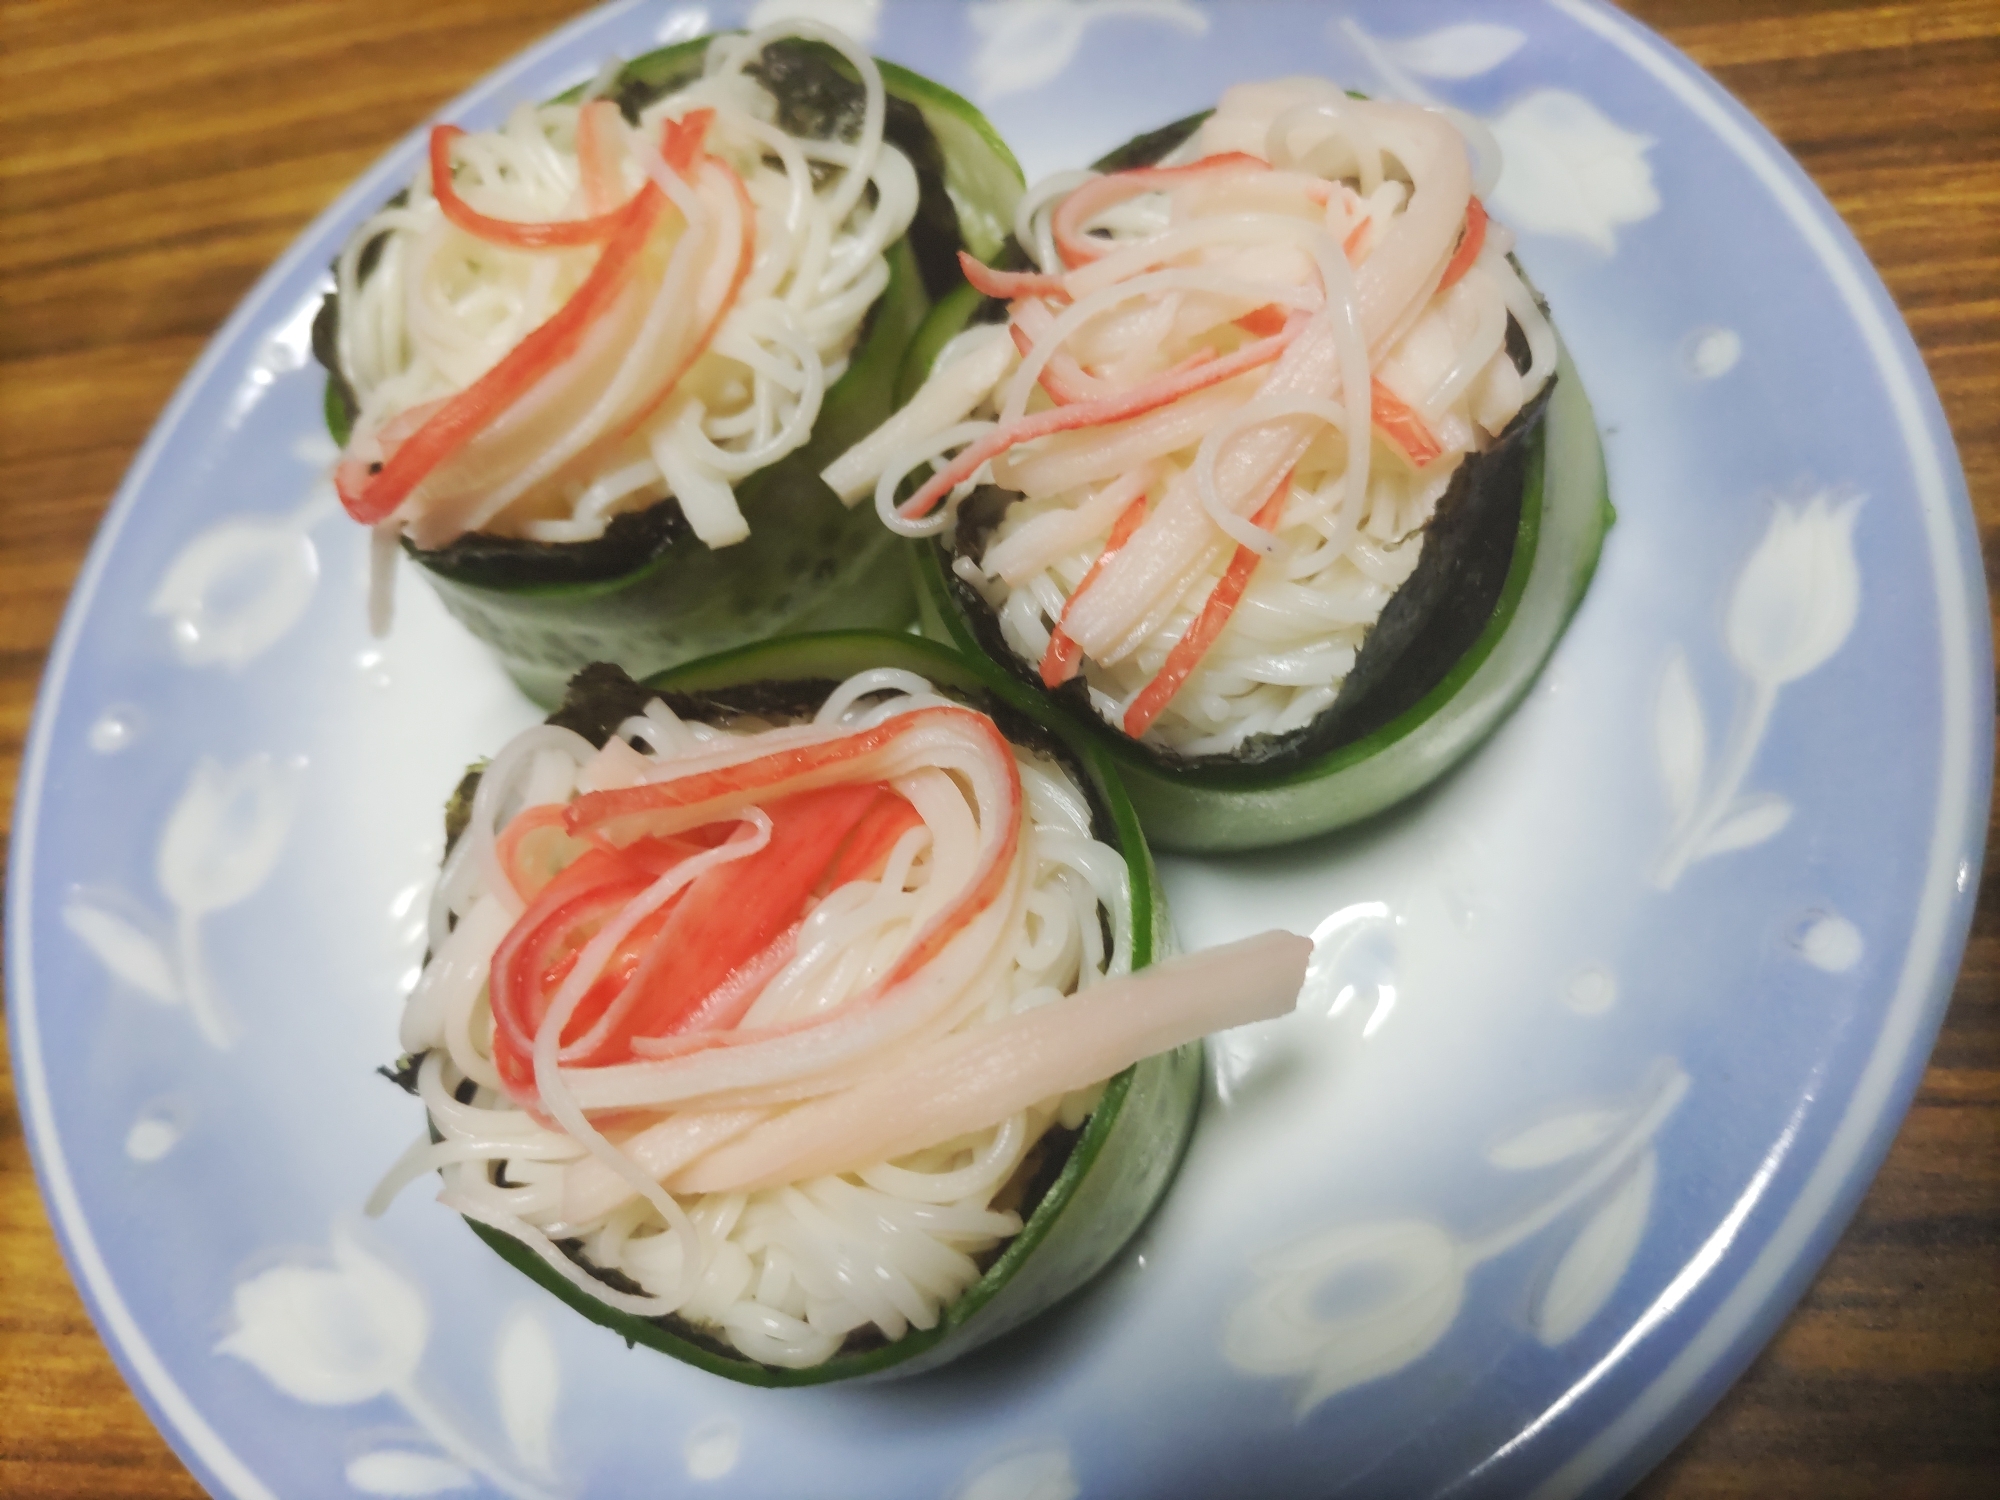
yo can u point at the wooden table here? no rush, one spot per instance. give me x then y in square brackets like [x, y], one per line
[157, 157]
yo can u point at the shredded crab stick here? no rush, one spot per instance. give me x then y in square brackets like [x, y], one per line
[762, 980]
[548, 234]
[583, 380]
[1215, 611]
[974, 1079]
[1060, 663]
[570, 316]
[1073, 216]
[661, 981]
[1095, 413]
[1307, 288]
[786, 1058]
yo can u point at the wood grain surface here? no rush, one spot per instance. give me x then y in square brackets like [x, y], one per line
[155, 158]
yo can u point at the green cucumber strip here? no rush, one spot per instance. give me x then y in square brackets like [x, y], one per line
[335, 414]
[1565, 512]
[946, 320]
[1128, 1150]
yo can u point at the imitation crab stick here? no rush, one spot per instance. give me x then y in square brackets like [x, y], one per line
[1101, 193]
[1008, 285]
[1469, 244]
[616, 822]
[373, 492]
[699, 961]
[1399, 423]
[973, 1079]
[1136, 401]
[1215, 612]
[517, 234]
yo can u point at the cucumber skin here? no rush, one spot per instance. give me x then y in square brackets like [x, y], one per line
[1216, 809]
[1128, 1151]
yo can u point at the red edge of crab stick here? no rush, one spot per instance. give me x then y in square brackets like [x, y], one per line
[610, 818]
[1199, 636]
[1399, 422]
[1137, 401]
[518, 234]
[1008, 285]
[1470, 244]
[698, 962]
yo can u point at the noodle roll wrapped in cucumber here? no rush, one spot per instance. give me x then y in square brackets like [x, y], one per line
[1257, 453]
[802, 1012]
[586, 367]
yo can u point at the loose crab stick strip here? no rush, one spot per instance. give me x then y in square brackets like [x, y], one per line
[1010, 286]
[597, 166]
[1469, 244]
[1062, 377]
[1064, 655]
[552, 234]
[1065, 380]
[1134, 402]
[1400, 423]
[968, 1081]
[1215, 612]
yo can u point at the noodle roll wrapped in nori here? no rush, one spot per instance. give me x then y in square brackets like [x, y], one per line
[798, 1013]
[587, 366]
[1129, 445]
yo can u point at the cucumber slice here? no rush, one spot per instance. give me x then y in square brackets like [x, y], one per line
[1565, 512]
[1121, 1162]
[809, 563]
[980, 173]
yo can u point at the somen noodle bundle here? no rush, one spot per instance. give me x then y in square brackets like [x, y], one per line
[1235, 422]
[776, 1015]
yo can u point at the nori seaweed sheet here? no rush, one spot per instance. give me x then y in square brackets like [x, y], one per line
[818, 98]
[599, 698]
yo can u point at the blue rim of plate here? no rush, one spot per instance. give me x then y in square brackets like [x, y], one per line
[1651, 1419]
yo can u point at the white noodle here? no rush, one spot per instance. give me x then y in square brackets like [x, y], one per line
[783, 1274]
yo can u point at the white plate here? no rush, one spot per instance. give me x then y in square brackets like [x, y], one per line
[1603, 1038]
